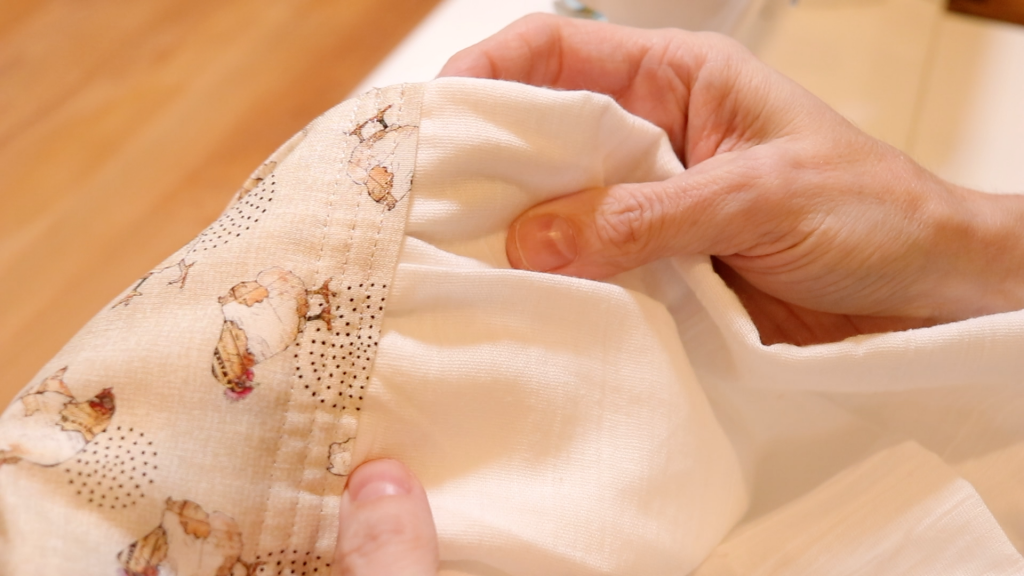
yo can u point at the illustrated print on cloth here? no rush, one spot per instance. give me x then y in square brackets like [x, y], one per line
[261, 319]
[188, 542]
[339, 454]
[332, 364]
[47, 425]
[249, 204]
[264, 170]
[115, 470]
[183, 268]
[370, 164]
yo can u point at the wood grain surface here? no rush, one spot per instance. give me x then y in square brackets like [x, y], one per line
[126, 126]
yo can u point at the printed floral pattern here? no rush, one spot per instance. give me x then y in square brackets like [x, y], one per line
[183, 268]
[247, 206]
[370, 164]
[261, 319]
[339, 458]
[47, 425]
[103, 473]
[339, 454]
[188, 542]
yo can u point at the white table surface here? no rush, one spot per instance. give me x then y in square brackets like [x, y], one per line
[946, 88]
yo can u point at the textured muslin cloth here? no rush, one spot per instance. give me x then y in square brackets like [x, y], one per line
[355, 302]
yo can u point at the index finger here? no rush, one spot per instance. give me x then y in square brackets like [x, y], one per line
[649, 72]
[546, 50]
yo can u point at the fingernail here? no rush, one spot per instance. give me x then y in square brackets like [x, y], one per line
[379, 478]
[378, 489]
[545, 242]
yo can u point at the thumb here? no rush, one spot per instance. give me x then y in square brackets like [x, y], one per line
[385, 524]
[601, 232]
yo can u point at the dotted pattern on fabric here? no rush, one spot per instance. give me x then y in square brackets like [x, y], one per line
[291, 563]
[238, 219]
[335, 372]
[332, 357]
[114, 470]
[275, 355]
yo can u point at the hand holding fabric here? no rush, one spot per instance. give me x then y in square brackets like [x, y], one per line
[386, 525]
[823, 231]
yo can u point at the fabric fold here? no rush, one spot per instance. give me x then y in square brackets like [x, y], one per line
[355, 302]
[901, 511]
[978, 350]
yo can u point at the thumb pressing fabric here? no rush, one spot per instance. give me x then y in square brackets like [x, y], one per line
[355, 302]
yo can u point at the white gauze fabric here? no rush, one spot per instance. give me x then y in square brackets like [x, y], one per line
[356, 302]
[556, 422]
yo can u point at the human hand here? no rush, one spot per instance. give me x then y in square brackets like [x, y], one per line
[823, 231]
[385, 524]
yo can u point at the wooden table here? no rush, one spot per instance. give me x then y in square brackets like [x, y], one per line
[126, 126]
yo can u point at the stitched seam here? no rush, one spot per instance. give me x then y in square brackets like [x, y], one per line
[380, 225]
[292, 389]
[356, 213]
[361, 307]
[376, 236]
[335, 337]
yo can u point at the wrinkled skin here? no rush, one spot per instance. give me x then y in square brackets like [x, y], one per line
[823, 231]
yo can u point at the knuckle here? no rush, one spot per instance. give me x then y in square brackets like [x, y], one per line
[534, 25]
[724, 43]
[723, 46]
[627, 223]
[538, 19]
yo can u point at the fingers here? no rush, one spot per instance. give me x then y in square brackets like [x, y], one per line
[545, 50]
[385, 525]
[603, 231]
[595, 233]
[671, 78]
[649, 73]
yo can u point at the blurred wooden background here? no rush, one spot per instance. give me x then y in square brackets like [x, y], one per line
[1006, 10]
[126, 126]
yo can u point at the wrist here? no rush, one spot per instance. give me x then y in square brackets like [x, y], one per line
[985, 274]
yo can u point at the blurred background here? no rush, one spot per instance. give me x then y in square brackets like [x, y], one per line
[125, 127]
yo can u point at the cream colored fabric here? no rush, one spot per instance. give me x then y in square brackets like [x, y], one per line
[556, 422]
[560, 426]
[901, 511]
[204, 422]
